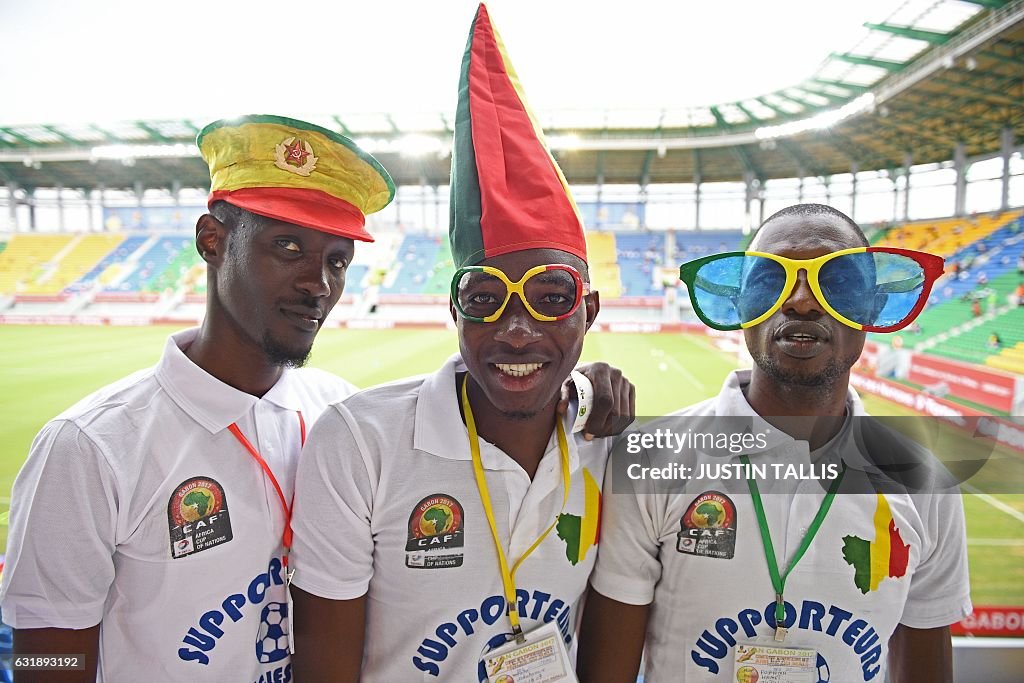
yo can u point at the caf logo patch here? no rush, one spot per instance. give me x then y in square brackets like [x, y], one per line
[435, 528]
[708, 527]
[197, 517]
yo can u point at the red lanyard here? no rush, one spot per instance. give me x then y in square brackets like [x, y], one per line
[286, 536]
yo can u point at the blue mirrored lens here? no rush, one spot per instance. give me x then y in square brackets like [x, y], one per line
[872, 288]
[734, 290]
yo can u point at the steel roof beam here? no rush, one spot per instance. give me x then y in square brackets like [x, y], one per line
[781, 112]
[807, 109]
[63, 136]
[107, 136]
[861, 154]
[753, 119]
[831, 97]
[890, 66]
[748, 163]
[19, 137]
[804, 162]
[645, 169]
[344, 128]
[153, 132]
[720, 121]
[933, 37]
[852, 87]
[990, 4]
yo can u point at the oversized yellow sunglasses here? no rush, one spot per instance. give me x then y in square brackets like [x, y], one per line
[549, 292]
[875, 289]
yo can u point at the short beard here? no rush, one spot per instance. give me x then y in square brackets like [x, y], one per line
[519, 415]
[820, 382]
[282, 356]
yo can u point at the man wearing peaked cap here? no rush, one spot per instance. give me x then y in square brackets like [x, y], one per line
[426, 508]
[149, 527]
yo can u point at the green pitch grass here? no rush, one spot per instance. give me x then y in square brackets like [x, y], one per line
[47, 369]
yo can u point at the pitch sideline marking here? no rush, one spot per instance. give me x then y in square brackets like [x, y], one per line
[996, 541]
[994, 502]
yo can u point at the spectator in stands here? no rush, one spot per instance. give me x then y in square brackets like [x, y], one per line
[975, 308]
[994, 341]
[1020, 294]
[1020, 264]
[982, 278]
[689, 566]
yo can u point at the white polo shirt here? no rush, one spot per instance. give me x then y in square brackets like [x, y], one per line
[138, 508]
[387, 506]
[708, 595]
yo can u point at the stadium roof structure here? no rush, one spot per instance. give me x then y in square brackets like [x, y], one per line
[935, 79]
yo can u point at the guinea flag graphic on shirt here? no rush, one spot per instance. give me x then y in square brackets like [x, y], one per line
[884, 556]
[582, 533]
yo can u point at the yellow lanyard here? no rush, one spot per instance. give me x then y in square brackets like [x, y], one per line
[508, 579]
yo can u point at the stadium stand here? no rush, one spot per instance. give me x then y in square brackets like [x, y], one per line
[691, 245]
[946, 237]
[639, 255]
[441, 272]
[108, 267]
[72, 262]
[414, 265]
[984, 271]
[148, 264]
[604, 269]
[28, 258]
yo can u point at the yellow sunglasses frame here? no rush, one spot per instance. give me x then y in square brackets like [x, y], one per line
[931, 265]
[518, 288]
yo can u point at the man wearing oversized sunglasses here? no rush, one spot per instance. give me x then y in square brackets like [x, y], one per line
[446, 526]
[822, 586]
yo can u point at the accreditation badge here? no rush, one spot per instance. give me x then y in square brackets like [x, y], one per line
[540, 658]
[756, 663]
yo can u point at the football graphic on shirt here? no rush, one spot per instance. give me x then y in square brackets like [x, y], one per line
[272, 637]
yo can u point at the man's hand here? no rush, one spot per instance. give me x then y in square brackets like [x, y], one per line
[614, 400]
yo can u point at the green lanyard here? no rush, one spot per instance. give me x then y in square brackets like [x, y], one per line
[779, 580]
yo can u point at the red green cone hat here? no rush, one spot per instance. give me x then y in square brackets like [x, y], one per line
[507, 192]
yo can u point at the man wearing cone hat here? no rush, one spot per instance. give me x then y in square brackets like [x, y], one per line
[446, 525]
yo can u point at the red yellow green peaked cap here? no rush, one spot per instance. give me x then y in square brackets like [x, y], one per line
[296, 172]
[507, 192]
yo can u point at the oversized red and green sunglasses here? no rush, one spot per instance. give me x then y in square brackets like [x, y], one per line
[550, 292]
[875, 289]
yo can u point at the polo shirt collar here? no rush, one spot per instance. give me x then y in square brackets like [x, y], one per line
[207, 400]
[732, 402]
[438, 428]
